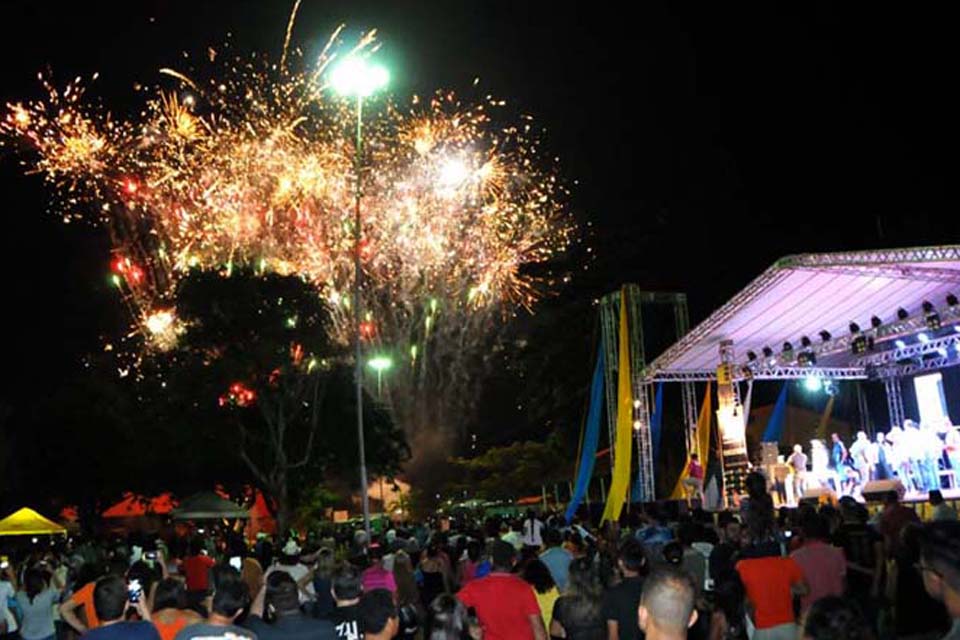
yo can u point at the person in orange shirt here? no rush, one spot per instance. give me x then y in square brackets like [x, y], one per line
[770, 582]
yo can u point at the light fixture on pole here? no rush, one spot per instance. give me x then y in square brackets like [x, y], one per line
[356, 78]
[380, 364]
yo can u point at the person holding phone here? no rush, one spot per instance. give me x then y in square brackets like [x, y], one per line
[36, 600]
[111, 600]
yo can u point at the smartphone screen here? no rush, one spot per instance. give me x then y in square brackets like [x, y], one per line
[236, 562]
[134, 591]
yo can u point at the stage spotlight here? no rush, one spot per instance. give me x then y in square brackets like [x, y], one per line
[956, 347]
[952, 300]
[900, 344]
[812, 383]
[751, 356]
[768, 355]
[825, 335]
[787, 351]
[854, 328]
[930, 316]
[876, 322]
[746, 373]
[805, 342]
[902, 314]
[807, 359]
[829, 387]
[942, 352]
[861, 344]
[923, 338]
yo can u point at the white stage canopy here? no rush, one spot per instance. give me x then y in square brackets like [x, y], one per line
[810, 302]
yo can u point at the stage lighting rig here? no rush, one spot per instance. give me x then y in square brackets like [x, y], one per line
[825, 336]
[930, 316]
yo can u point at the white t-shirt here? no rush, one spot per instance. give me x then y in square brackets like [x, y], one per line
[6, 591]
[531, 533]
[297, 572]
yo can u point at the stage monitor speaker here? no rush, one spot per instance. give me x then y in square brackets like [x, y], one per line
[876, 490]
[818, 495]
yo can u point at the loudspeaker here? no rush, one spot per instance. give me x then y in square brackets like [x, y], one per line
[818, 495]
[876, 490]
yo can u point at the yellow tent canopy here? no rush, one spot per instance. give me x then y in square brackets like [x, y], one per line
[28, 522]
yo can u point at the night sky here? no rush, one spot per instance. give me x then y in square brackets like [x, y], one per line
[700, 144]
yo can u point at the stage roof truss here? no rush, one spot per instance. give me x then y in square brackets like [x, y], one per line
[802, 296]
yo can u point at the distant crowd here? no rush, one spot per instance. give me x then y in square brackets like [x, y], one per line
[815, 572]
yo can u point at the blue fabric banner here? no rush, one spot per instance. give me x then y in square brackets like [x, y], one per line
[656, 421]
[775, 424]
[591, 437]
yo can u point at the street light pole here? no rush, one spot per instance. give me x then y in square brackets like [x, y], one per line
[357, 276]
[356, 78]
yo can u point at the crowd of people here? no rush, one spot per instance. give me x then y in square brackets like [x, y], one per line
[816, 572]
[917, 454]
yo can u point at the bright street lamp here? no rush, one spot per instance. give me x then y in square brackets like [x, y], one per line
[355, 77]
[380, 364]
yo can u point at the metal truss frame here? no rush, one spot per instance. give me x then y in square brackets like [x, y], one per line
[894, 400]
[910, 351]
[769, 373]
[881, 262]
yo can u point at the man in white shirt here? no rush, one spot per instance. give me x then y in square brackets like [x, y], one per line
[532, 531]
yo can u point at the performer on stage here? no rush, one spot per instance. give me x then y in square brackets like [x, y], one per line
[952, 441]
[873, 457]
[838, 463]
[798, 466]
[883, 469]
[932, 454]
[915, 442]
[820, 462]
[858, 456]
[694, 480]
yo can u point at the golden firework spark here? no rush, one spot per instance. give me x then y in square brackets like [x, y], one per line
[245, 161]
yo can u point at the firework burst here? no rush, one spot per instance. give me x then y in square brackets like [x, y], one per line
[242, 160]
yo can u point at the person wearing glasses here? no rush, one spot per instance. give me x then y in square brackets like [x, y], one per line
[939, 566]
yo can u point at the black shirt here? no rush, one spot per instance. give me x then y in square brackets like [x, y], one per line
[857, 541]
[294, 626]
[620, 603]
[723, 559]
[346, 623]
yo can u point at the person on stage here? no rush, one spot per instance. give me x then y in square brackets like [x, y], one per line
[900, 459]
[952, 442]
[932, 455]
[858, 456]
[798, 467]
[915, 441]
[873, 457]
[838, 462]
[884, 467]
[694, 480]
[820, 461]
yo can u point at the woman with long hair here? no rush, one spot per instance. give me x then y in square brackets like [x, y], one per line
[577, 613]
[544, 588]
[432, 568]
[408, 596]
[36, 599]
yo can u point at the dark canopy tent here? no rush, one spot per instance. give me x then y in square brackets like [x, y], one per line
[207, 505]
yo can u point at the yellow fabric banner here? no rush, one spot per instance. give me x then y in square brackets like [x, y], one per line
[702, 445]
[620, 483]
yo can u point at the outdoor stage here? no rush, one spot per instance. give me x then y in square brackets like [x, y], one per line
[880, 327]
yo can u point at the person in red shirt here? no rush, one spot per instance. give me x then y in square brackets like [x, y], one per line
[694, 480]
[770, 582]
[505, 604]
[893, 519]
[196, 571]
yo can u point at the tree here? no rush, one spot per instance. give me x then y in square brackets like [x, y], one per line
[511, 471]
[256, 348]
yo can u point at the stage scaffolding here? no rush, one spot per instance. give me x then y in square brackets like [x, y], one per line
[855, 316]
[640, 387]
